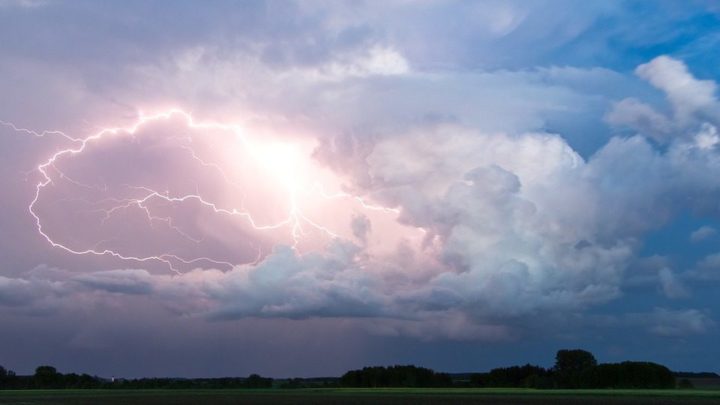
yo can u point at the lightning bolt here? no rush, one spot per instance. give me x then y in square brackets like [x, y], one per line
[38, 134]
[298, 223]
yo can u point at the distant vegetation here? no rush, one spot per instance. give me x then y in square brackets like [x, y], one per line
[573, 369]
[47, 377]
[395, 376]
[579, 369]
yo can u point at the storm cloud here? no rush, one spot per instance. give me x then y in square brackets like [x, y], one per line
[279, 166]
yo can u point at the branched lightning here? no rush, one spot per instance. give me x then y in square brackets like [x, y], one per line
[38, 134]
[295, 220]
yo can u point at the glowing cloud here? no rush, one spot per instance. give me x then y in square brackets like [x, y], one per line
[193, 187]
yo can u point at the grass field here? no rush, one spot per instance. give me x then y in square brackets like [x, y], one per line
[360, 396]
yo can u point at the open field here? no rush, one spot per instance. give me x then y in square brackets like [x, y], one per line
[360, 396]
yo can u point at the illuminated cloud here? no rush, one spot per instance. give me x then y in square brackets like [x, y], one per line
[444, 217]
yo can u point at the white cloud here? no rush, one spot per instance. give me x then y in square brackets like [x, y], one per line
[289, 286]
[694, 105]
[687, 94]
[703, 233]
[514, 248]
[519, 224]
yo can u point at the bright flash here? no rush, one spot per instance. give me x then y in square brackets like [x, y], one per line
[269, 184]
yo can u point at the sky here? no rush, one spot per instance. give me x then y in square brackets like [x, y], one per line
[300, 188]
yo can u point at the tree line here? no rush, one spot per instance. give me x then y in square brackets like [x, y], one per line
[395, 376]
[573, 369]
[47, 377]
[579, 369]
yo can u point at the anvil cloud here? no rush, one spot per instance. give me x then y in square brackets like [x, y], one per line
[263, 184]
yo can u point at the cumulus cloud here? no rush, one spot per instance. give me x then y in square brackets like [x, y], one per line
[505, 235]
[702, 233]
[497, 217]
[686, 94]
[491, 225]
[285, 285]
[693, 102]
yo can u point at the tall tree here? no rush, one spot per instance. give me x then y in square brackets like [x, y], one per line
[47, 377]
[570, 365]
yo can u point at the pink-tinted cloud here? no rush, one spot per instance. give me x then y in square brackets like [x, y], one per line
[184, 194]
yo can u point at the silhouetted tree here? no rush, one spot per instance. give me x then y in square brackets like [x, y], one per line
[571, 365]
[47, 377]
[7, 378]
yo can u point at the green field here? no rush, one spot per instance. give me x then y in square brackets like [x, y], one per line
[361, 396]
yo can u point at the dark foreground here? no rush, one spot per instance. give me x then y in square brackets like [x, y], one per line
[359, 396]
